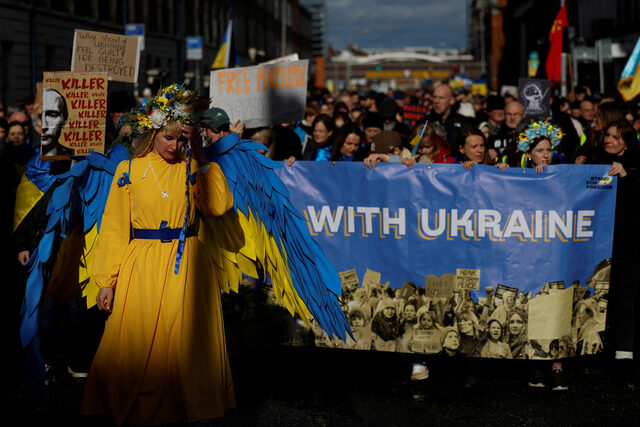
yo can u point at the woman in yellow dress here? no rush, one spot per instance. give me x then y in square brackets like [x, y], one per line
[163, 357]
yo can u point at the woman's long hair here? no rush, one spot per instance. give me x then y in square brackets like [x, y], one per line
[343, 133]
[431, 135]
[627, 134]
[461, 139]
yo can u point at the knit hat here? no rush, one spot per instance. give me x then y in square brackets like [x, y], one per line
[388, 109]
[495, 102]
[355, 310]
[385, 142]
[386, 303]
[373, 120]
[447, 331]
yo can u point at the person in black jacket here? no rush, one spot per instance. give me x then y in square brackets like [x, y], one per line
[621, 151]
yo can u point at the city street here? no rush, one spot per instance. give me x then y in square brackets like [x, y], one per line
[291, 386]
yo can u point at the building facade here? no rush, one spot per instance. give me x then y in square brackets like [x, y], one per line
[37, 36]
[504, 33]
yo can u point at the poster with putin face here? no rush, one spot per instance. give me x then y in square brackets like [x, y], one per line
[74, 108]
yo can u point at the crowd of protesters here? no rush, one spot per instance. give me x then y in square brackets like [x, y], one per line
[369, 127]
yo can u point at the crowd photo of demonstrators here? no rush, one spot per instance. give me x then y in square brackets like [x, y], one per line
[410, 319]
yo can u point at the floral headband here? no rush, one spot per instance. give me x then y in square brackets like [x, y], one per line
[538, 129]
[172, 102]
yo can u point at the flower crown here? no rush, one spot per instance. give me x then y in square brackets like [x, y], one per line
[172, 102]
[537, 129]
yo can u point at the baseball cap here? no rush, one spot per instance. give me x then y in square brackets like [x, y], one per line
[215, 117]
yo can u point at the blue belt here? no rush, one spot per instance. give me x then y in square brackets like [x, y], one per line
[164, 234]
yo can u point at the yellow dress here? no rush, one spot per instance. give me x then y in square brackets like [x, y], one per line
[163, 354]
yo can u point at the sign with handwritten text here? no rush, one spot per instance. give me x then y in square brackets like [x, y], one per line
[74, 108]
[261, 95]
[115, 54]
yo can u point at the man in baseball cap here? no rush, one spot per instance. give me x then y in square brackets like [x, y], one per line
[219, 125]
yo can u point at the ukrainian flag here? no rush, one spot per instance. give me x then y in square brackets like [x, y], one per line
[629, 84]
[222, 58]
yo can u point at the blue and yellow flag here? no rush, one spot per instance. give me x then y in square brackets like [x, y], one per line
[629, 84]
[222, 58]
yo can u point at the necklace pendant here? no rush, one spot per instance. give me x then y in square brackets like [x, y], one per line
[165, 195]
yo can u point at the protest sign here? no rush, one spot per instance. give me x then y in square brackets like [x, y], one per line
[535, 95]
[287, 58]
[431, 221]
[425, 341]
[74, 108]
[411, 113]
[115, 54]
[38, 106]
[371, 278]
[261, 95]
[550, 315]
[439, 287]
[467, 279]
[349, 278]
[502, 290]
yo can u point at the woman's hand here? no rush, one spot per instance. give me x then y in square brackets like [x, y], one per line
[373, 159]
[290, 160]
[409, 162]
[502, 166]
[195, 141]
[580, 160]
[617, 169]
[468, 165]
[540, 168]
[23, 257]
[105, 299]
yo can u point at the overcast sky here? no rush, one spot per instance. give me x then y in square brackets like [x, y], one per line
[396, 23]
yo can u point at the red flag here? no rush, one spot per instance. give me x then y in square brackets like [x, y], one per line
[554, 57]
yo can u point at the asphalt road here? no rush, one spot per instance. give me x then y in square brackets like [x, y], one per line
[317, 387]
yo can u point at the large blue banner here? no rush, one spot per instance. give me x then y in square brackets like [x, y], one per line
[439, 243]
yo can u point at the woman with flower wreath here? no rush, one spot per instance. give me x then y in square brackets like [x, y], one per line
[163, 357]
[537, 144]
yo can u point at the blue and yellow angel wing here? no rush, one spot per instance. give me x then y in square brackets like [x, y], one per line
[268, 235]
[74, 212]
[34, 183]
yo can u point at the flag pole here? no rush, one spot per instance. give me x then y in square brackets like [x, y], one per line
[415, 148]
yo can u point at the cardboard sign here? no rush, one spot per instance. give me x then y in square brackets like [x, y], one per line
[426, 341]
[535, 95]
[550, 315]
[371, 278]
[502, 289]
[412, 113]
[261, 95]
[38, 104]
[74, 108]
[115, 54]
[349, 278]
[287, 58]
[559, 284]
[467, 279]
[439, 287]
